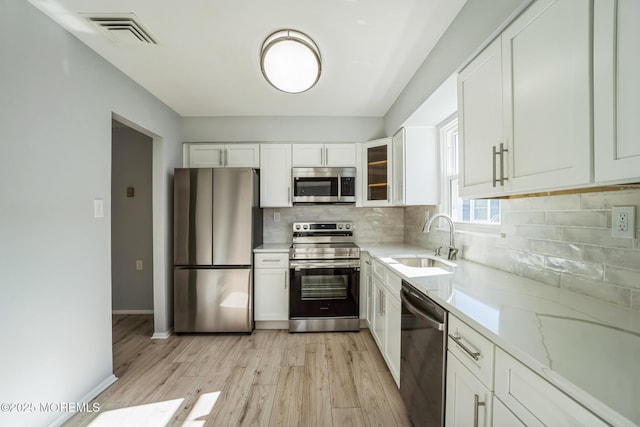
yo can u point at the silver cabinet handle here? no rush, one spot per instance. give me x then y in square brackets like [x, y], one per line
[286, 278]
[271, 260]
[388, 193]
[476, 406]
[458, 340]
[326, 156]
[288, 194]
[500, 153]
[226, 155]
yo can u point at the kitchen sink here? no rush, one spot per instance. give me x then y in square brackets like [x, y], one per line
[426, 262]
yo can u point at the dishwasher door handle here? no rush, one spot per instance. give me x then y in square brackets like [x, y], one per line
[422, 315]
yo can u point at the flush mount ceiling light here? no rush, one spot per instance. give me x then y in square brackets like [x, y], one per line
[290, 61]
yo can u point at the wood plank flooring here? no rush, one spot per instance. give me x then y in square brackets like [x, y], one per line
[269, 378]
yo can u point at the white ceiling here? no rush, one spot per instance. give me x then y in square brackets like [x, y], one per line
[207, 59]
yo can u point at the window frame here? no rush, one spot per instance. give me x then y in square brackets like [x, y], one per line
[446, 129]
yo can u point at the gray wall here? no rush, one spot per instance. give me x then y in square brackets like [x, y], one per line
[281, 129]
[561, 241]
[476, 22]
[131, 220]
[57, 101]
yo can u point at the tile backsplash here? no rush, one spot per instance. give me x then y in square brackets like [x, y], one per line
[560, 240]
[384, 225]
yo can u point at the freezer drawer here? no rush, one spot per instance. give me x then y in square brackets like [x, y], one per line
[213, 300]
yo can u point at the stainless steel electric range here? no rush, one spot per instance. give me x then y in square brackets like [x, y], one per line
[324, 268]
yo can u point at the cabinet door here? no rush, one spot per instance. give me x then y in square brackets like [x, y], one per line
[340, 155]
[393, 319]
[308, 155]
[377, 165]
[535, 401]
[378, 329]
[616, 63]
[275, 175]
[480, 118]
[503, 417]
[206, 155]
[242, 156]
[468, 402]
[546, 88]
[271, 294]
[398, 167]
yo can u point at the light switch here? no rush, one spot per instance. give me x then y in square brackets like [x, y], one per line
[98, 208]
[139, 264]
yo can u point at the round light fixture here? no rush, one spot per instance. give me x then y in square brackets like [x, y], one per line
[290, 61]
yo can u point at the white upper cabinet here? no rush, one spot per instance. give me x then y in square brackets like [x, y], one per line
[524, 105]
[616, 63]
[547, 95]
[324, 155]
[377, 170]
[480, 120]
[275, 175]
[223, 155]
[415, 167]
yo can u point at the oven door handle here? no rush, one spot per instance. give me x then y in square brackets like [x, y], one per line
[419, 313]
[308, 265]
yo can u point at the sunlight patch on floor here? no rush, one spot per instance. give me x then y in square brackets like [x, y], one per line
[201, 409]
[151, 414]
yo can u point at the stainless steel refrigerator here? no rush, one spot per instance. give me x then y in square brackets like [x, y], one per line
[217, 224]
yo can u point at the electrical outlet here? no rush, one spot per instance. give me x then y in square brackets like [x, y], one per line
[139, 264]
[623, 221]
[276, 217]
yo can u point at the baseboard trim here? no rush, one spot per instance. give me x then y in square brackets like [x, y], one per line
[131, 311]
[87, 398]
[162, 335]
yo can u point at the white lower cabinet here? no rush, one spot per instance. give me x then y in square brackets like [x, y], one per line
[534, 400]
[468, 401]
[271, 287]
[503, 417]
[386, 316]
[365, 286]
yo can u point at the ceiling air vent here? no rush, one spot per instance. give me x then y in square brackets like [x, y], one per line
[123, 28]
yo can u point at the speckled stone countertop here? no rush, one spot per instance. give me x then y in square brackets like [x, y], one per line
[588, 348]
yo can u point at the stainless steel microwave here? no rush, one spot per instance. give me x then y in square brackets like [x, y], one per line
[324, 185]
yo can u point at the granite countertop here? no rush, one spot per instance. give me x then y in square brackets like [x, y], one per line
[588, 348]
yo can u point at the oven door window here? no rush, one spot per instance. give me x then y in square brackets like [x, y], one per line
[324, 292]
[316, 287]
[315, 187]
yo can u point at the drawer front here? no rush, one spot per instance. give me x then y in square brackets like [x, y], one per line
[474, 350]
[393, 283]
[272, 260]
[378, 269]
[534, 400]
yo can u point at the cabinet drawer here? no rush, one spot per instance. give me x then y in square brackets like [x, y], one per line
[378, 270]
[534, 400]
[393, 283]
[272, 260]
[474, 350]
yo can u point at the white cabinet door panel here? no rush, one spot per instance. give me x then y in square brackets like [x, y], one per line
[616, 60]
[546, 72]
[275, 175]
[467, 398]
[308, 155]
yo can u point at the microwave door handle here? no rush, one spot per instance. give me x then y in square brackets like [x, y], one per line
[339, 188]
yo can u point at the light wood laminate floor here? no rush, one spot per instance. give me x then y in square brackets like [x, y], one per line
[269, 378]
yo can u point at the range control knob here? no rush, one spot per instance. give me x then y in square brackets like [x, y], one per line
[348, 226]
[305, 226]
[297, 226]
[339, 226]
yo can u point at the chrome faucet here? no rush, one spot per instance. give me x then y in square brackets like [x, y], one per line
[452, 247]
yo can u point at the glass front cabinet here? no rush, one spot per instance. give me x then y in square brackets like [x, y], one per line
[377, 172]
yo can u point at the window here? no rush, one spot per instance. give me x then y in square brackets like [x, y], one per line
[463, 211]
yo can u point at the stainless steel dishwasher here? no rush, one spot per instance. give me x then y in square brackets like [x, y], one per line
[423, 357]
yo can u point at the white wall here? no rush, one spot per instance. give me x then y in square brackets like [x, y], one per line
[57, 98]
[476, 22]
[131, 220]
[278, 128]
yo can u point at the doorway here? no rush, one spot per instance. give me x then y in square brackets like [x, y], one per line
[131, 220]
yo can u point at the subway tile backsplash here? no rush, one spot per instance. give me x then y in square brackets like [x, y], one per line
[372, 225]
[560, 240]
